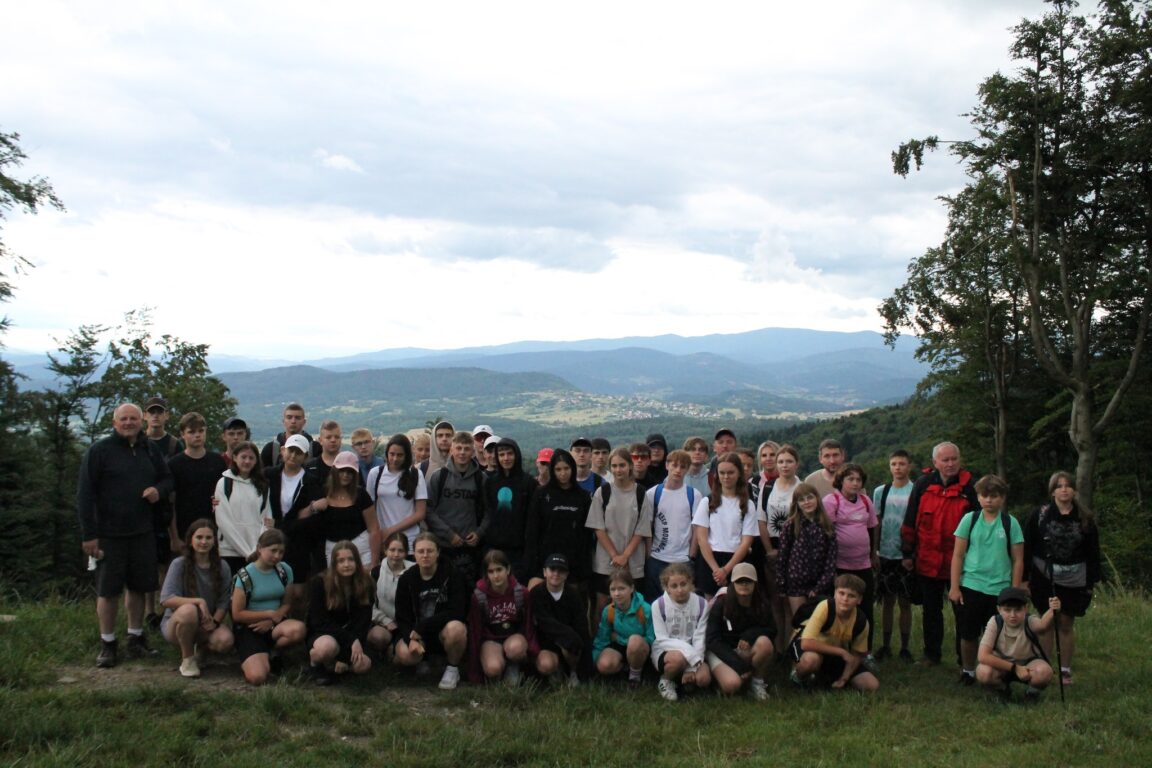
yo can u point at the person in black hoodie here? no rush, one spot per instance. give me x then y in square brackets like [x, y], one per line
[507, 496]
[556, 524]
[431, 611]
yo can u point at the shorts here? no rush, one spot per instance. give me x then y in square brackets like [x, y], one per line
[974, 614]
[831, 668]
[249, 643]
[894, 579]
[1074, 601]
[128, 562]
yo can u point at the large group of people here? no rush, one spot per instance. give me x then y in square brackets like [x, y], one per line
[699, 566]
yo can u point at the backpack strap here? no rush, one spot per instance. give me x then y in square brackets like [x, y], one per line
[518, 596]
[228, 483]
[481, 602]
[884, 489]
[245, 580]
[660, 605]
[1004, 520]
[282, 573]
[656, 499]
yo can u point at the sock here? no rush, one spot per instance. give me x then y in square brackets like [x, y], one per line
[969, 672]
[1066, 670]
[135, 631]
[109, 638]
[633, 673]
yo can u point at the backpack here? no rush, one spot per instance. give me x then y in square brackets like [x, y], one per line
[229, 482]
[804, 613]
[664, 613]
[1028, 633]
[1006, 519]
[606, 494]
[660, 490]
[380, 480]
[517, 595]
[246, 578]
[612, 618]
[883, 500]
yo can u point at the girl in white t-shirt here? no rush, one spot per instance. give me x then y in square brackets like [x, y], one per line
[725, 525]
[399, 491]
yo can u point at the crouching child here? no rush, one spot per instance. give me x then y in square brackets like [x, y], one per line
[829, 645]
[1010, 650]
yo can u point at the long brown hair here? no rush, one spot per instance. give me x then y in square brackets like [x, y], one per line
[341, 593]
[1087, 519]
[190, 586]
[741, 484]
[796, 516]
[257, 475]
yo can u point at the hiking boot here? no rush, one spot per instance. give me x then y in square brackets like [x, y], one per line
[966, 679]
[450, 679]
[109, 651]
[138, 648]
[512, 675]
[667, 689]
[882, 653]
[906, 655]
[870, 665]
[758, 689]
[189, 667]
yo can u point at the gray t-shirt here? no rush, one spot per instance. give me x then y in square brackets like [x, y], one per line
[174, 587]
[622, 520]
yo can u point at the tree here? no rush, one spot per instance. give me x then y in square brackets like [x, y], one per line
[1067, 142]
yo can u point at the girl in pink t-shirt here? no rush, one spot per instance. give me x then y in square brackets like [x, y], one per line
[857, 531]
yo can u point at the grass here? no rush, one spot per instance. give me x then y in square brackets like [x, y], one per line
[55, 709]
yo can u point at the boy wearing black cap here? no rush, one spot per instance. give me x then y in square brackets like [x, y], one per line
[561, 624]
[658, 447]
[1010, 650]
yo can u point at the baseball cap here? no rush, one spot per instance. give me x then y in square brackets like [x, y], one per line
[1012, 595]
[299, 442]
[557, 562]
[744, 571]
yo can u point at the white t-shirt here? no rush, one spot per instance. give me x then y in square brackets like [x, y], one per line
[383, 485]
[671, 524]
[777, 507]
[725, 526]
[289, 484]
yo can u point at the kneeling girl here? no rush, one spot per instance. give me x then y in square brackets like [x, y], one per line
[260, 609]
[340, 602]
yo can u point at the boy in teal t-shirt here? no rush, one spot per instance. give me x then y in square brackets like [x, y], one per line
[988, 557]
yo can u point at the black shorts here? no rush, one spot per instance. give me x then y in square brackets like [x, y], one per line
[249, 643]
[1074, 601]
[974, 614]
[128, 562]
[831, 668]
[894, 579]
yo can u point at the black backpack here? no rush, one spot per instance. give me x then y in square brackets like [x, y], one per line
[606, 494]
[1028, 633]
[1005, 519]
[804, 613]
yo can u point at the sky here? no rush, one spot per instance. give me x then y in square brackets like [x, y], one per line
[295, 180]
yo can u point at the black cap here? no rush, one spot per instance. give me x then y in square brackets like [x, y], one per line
[556, 562]
[656, 439]
[581, 442]
[234, 422]
[155, 402]
[725, 431]
[1012, 595]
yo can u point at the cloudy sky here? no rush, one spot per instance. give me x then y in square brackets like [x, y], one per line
[284, 179]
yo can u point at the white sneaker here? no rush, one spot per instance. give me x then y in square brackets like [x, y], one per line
[757, 689]
[450, 679]
[512, 675]
[189, 667]
[667, 689]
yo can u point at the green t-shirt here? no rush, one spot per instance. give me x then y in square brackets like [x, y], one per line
[987, 565]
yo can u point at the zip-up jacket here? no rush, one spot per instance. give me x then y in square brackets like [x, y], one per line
[934, 510]
[109, 492]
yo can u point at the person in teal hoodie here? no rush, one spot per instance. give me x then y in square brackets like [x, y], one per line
[626, 633]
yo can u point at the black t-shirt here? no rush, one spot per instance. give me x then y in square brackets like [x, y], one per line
[346, 522]
[194, 483]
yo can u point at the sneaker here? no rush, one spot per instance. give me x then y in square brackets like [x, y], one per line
[870, 665]
[138, 648]
[450, 678]
[109, 651]
[1066, 675]
[320, 675]
[906, 655]
[757, 689]
[189, 667]
[573, 680]
[966, 679]
[667, 689]
[883, 652]
[633, 679]
[512, 675]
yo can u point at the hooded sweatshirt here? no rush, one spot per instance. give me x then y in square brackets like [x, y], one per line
[456, 502]
[556, 524]
[494, 617]
[507, 498]
[240, 514]
[436, 459]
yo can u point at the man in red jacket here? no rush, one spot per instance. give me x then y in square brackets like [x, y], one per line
[939, 499]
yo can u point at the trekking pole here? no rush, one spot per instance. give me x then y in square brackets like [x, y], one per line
[1056, 634]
